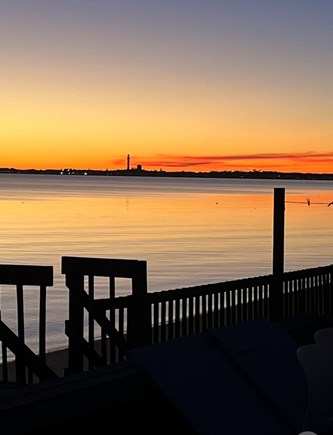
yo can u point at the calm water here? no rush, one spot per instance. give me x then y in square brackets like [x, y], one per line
[190, 231]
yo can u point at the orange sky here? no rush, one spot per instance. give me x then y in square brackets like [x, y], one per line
[199, 86]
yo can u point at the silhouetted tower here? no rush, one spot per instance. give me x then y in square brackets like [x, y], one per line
[128, 162]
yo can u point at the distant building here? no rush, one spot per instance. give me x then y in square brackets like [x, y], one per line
[139, 168]
[128, 162]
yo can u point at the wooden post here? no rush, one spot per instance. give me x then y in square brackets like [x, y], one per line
[278, 237]
[276, 294]
[139, 317]
[74, 327]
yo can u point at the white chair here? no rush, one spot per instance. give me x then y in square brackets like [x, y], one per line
[317, 363]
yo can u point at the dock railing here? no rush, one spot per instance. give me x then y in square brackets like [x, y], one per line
[308, 291]
[29, 365]
[101, 329]
[117, 326]
[146, 318]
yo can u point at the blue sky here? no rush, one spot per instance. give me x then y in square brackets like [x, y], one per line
[179, 78]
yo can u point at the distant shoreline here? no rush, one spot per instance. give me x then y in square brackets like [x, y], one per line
[274, 175]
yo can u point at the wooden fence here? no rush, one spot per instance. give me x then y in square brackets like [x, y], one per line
[145, 318]
[29, 365]
[101, 329]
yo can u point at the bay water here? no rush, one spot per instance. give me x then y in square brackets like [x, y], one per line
[191, 231]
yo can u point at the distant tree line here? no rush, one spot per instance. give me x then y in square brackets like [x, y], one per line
[160, 173]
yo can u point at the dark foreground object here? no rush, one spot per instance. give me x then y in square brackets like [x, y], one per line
[240, 379]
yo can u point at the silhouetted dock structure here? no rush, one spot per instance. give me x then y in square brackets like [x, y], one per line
[144, 331]
[192, 360]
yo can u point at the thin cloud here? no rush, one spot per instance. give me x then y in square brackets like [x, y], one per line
[184, 161]
[266, 161]
[259, 156]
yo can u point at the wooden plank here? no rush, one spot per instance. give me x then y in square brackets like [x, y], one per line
[163, 321]
[30, 359]
[184, 317]
[42, 322]
[204, 312]
[74, 326]
[155, 323]
[101, 266]
[190, 316]
[177, 318]
[19, 357]
[170, 320]
[198, 318]
[216, 310]
[12, 274]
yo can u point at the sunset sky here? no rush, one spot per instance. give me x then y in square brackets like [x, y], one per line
[194, 85]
